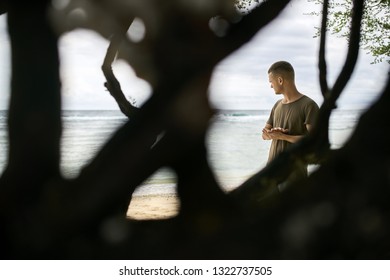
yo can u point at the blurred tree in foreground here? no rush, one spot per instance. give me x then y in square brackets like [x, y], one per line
[340, 211]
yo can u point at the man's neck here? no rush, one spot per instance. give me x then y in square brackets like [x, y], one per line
[291, 96]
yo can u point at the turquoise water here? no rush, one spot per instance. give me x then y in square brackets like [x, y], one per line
[236, 150]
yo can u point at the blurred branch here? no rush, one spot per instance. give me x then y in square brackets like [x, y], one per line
[243, 31]
[3, 7]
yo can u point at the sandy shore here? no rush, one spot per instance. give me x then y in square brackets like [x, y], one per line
[153, 207]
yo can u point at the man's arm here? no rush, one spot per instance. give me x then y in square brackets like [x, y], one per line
[279, 135]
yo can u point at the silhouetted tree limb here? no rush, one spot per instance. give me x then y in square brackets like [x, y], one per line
[322, 60]
[34, 117]
[3, 7]
[352, 55]
[112, 84]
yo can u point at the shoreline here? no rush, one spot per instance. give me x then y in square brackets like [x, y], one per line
[153, 207]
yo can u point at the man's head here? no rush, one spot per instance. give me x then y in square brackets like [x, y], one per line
[280, 74]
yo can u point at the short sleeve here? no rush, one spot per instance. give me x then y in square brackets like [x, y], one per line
[311, 113]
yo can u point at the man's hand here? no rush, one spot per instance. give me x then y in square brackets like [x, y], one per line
[279, 129]
[265, 134]
[275, 133]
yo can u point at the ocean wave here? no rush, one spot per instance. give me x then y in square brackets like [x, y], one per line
[240, 117]
[93, 118]
[69, 115]
[149, 189]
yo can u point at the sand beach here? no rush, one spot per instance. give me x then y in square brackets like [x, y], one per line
[151, 207]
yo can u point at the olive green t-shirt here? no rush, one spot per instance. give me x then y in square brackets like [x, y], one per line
[294, 116]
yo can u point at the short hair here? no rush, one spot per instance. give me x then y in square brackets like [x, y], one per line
[282, 68]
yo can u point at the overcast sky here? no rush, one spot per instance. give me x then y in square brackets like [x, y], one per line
[239, 82]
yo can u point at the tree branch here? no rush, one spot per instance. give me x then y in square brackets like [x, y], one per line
[112, 84]
[34, 121]
[322, 60]
[243, 31]
[352, 55]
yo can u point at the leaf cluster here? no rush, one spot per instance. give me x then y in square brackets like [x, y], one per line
[246, 5]
[375, 38]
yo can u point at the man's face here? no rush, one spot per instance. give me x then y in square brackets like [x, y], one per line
[275, 82]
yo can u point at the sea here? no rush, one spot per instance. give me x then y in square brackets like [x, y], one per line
[236, 150]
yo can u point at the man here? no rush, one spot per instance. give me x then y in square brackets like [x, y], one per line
[291, 118]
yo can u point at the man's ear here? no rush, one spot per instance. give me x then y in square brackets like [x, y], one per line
[280, 80]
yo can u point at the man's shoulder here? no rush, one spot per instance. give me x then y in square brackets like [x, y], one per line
[308, 100]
